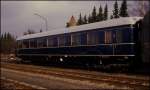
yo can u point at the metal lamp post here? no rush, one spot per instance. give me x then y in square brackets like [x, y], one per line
[42, 17]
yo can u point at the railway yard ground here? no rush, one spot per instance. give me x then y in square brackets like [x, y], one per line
[15, 75]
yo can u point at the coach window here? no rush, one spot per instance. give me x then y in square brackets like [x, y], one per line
[119, 36]
[62, 40]
[79, 38]
[52, 41]
[55, 41]
[25, 44]
[100, 37]
[91, 37]
[83, 37]
[42, 42]
[65, 40]
[76, 39]
[126, 35]
[33, 43]
[108, 37]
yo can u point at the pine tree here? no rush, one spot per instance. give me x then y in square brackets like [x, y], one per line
[89, 19]
[100, 14]
[80, 20]
[8, 43]
[116, 11]
[111, 17]
[1, 41]
[85, 20]
[5, 36]
[106, 13]
[123, 9]
[1, 38]
[94, 18]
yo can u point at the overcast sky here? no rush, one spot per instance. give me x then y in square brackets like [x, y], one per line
[18, 16]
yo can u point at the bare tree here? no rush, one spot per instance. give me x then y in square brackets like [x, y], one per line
[41, 30]
[29, 32]
[139, 8]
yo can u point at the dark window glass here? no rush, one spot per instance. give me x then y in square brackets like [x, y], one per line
[33, 43]
[92, 37]
[55, 41]
[79, 38]
[52, 41]
[95, 37]
[83, 37]
[118, 36]
[67, 39]
[62, 40]
[108, 37]
[76, 39]
[126, 35]
[100, 37]
[25, 44]
[42, 42]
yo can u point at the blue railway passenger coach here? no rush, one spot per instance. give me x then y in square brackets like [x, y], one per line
[108, 42]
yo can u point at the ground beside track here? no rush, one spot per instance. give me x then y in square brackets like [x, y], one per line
[52, 82]
[7, 84]
[55, 84]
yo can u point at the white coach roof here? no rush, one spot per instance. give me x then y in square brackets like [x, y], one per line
[102, 24]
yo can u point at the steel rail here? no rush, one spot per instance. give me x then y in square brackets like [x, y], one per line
[96, 78]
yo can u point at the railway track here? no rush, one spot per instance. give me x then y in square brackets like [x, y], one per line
[93, 77]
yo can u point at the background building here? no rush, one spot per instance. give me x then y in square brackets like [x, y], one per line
[72, 22]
